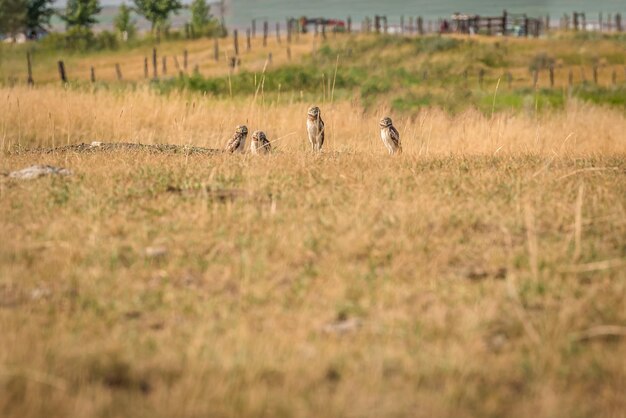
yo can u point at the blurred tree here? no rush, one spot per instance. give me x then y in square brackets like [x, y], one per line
[12, 17]
[81, 13]
[157, 12]
[202, 22]
[200, 15]
[124, 24]
[38, 14]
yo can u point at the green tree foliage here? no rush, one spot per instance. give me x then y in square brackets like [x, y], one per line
[81, 13]
[200, 15]
[202, 22]
[38, 14]
[12, 16]
[157, 12]
[124, 24]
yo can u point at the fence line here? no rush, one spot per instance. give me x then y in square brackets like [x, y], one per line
[503, 25]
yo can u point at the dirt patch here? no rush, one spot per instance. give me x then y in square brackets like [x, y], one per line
[123, 146]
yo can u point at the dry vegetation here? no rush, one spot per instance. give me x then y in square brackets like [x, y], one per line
[481, 273]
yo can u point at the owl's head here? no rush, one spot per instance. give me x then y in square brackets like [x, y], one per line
[259, 136]
[314, 112]
[385, 122]
[242, 129]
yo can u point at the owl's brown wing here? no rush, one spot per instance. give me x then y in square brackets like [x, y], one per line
[321, 135]
[395, 136]
[266, 145]
[234, 142]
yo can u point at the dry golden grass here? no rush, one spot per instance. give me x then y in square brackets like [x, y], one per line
[49, 117]
[474, 275]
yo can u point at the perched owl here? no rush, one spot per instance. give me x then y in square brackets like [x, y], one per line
[315, 128]
[390, 136]
[260, 144]
[238, 141]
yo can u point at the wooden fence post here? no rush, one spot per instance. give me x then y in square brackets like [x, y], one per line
[481, 77]
[525, 26]
[278, 32]
[618, 22]
[289, 53]
[265, 31]
[288, 26]
[118, 72]
[349, 24]
[236, 42]
[505, 16]
[62, 71]
[385, 25]
[29, 69]
[216, 50]
[570, 78]
[420, 25]
[248, 41]
[254, 27]
[145, 67]
[164, 65]
[177, 65]
[595, 74]
[92, 74]
[324, 31]
[551, 69]
[155, 71]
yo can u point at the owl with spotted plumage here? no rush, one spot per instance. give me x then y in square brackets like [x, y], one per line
[390, 136]
[260, 145]
[315, 128]
[238, 142]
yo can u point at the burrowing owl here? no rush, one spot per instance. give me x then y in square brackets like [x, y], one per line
[238, 141]
[390, 136]
[260, 144]
[315, 128]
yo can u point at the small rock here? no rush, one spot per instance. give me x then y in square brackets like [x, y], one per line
[158, 251]
[342, 326]
[132, 315]
[496, 342]
[95, 144]
[40, 293]
[36, 171]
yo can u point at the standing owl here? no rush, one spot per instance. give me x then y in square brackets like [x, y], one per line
[390, 136]
[260, 144]
[238, 141]
[315, 128]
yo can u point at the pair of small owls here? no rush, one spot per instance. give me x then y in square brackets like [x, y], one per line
[259, 145]
[315, 128]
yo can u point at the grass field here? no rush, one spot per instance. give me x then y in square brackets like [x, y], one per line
[480, 273]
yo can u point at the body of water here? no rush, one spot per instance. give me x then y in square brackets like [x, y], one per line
[239, 13]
